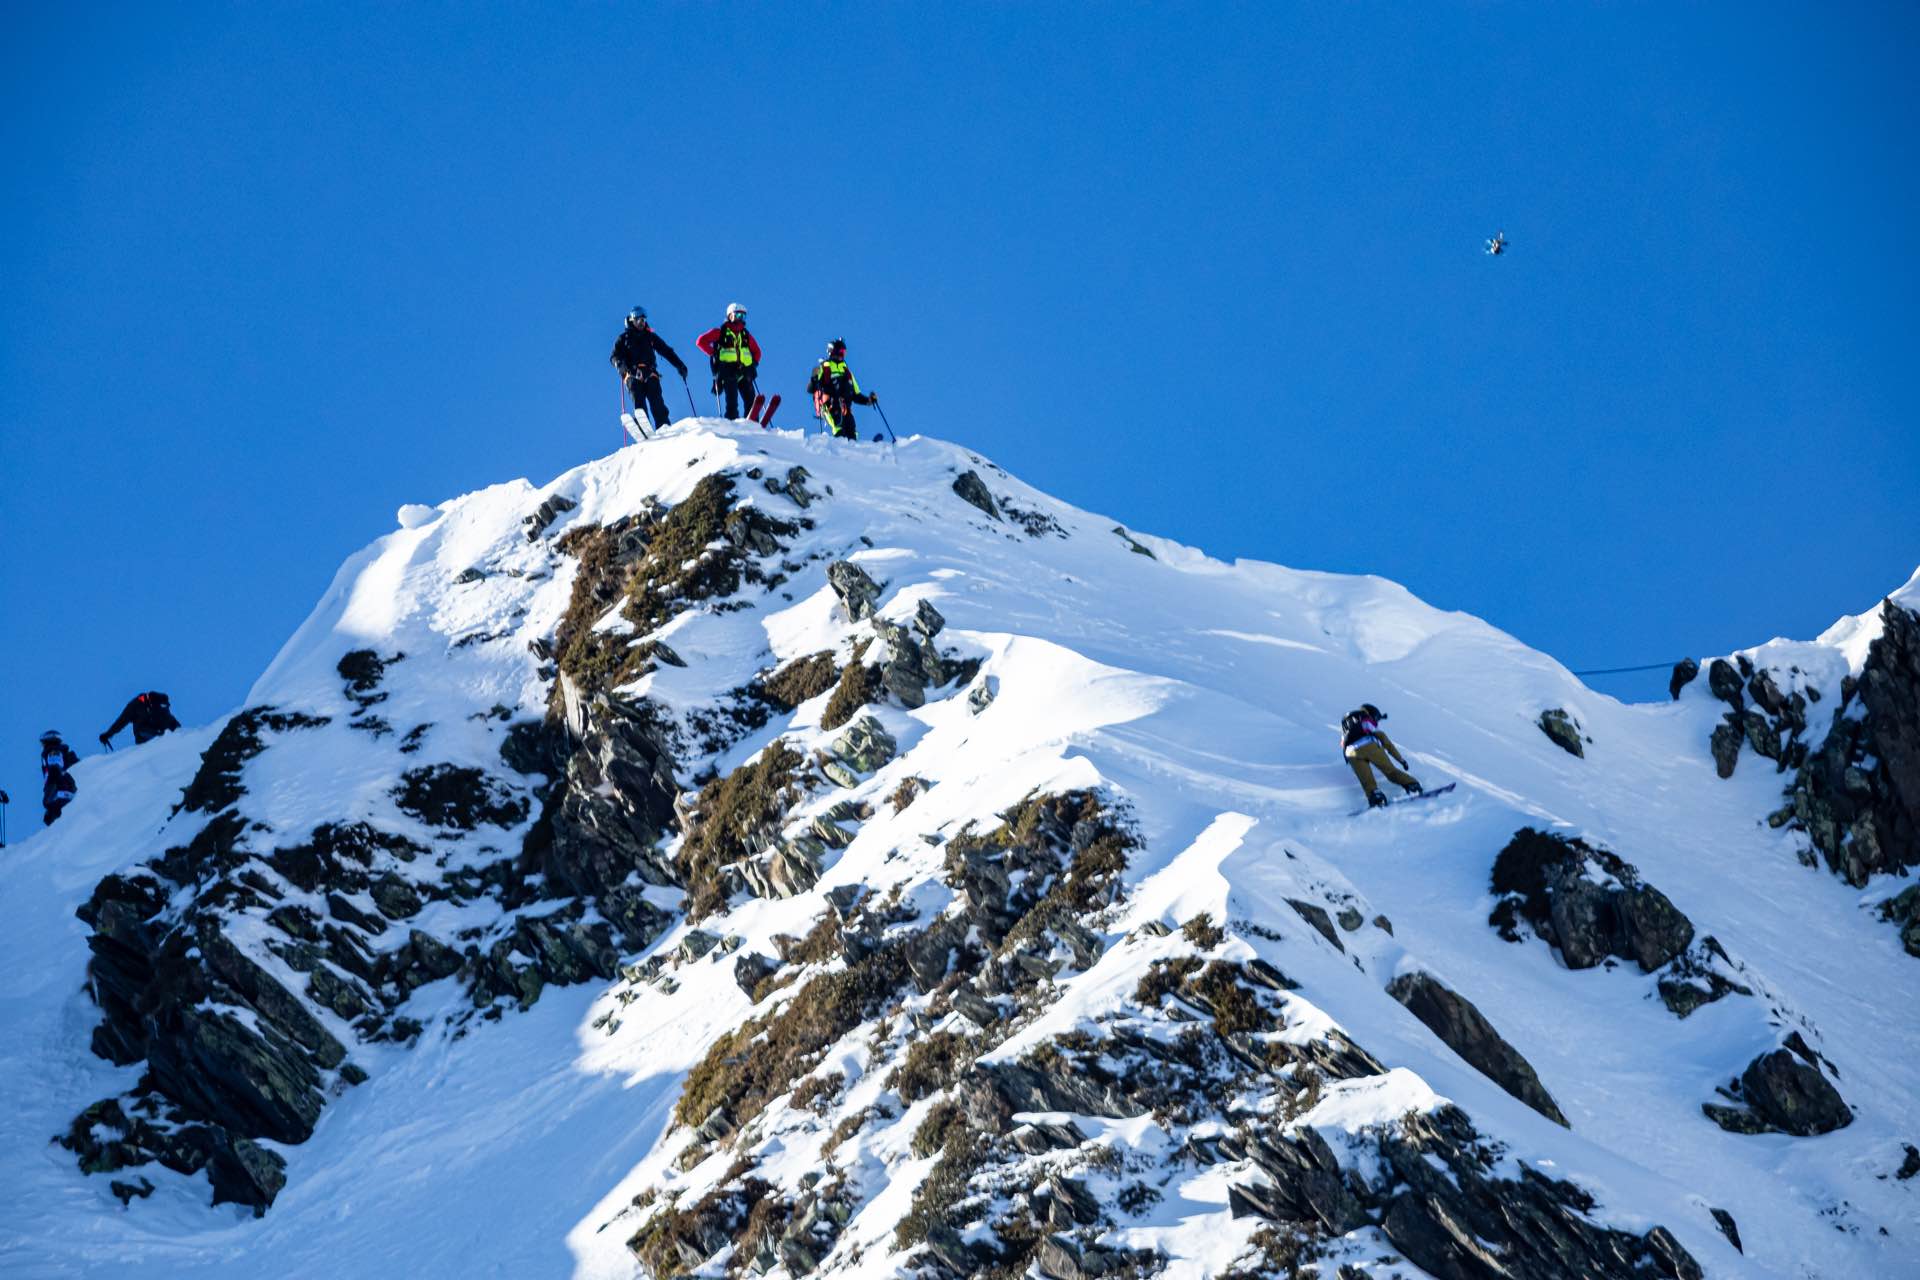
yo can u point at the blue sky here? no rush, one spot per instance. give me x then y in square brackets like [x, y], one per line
[268, 271]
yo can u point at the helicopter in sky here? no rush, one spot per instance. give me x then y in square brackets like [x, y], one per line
[1497, 245]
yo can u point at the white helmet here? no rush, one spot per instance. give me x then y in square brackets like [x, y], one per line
[735, 311]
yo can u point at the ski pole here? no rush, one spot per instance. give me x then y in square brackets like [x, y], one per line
[883, 419]
[3, 819]
[688, 388]
[621, 379]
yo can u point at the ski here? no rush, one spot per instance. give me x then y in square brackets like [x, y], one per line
[773, 407]
[759, 403]
[1424, 795]
[633, 428]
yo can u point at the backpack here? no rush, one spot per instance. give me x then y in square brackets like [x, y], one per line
[1354, 726]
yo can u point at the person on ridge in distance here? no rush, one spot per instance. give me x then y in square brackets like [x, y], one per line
[735, 358]
[633, 355]
[56, 760]
[836, 391]
[149, 713]
[1366, 746]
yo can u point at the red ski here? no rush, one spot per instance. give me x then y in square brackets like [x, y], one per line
[759, 403]
[773, 407]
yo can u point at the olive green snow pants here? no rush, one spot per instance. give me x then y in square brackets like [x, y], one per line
[1368, 756]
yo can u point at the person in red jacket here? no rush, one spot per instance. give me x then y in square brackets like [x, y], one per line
[735, 357]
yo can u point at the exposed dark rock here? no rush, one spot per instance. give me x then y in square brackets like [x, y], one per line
[1792, 1095]
[614, 806]
[544, 515]
[1466, 1031]
[1909, 1163]
[972, 489]
[1903, 909]
[857, 591]
[128, 1192]
[1135, 547]
[1858, 796]
[1435, 1195]
[1725, 682]
[1724, 744]
[269, 999]
[458, 797]
[1586, 902]
[1317, 917]
[218, 1069]
[1684, 672]
[217, 783]
[750, 969]
[1559, 725]
[1455, 1221]
[1724, 1220]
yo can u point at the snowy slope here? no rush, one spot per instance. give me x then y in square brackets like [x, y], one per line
[1201, 697]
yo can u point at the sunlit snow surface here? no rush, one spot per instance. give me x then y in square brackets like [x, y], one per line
[1205, 695]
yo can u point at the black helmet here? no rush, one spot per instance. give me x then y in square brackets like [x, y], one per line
[1372, 711]
[637, 316]
[51, 735]
[838, 347]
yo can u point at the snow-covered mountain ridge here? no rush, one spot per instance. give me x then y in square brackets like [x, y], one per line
[748, 853]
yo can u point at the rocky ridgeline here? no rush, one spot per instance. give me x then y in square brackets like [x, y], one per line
[241, 968]
[1854, 791]
[889, 1017]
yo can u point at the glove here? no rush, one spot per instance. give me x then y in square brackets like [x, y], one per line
[106, 739]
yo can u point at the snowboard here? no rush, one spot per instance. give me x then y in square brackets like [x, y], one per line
[633, 427]
[1428, 794]
[773, 407]
[759, 403]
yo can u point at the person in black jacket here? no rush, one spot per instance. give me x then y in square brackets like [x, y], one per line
[633, 355]
[56, 759]
[149, 713]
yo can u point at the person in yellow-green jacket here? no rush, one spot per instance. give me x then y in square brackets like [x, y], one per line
[836, 391]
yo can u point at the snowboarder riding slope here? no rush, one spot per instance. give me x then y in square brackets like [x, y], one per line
[633, 355]
[149, 713]
[735, 358]
[836, 391]
[56, 758]
[1366, 746]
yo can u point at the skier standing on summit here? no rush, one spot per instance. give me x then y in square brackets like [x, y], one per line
[836, 391]
[633, 355]
[1366, 746]
[735, 358]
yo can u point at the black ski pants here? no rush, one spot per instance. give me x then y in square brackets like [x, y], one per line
[736, 385]
[839, 415]
[645, 390]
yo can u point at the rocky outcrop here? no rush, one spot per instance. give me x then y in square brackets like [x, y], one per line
[1858, 796]
[1585, 902]
[973, 491]
[1562, 729]
[1467, 1032]
[1435, 1195]
[614, 805]
[1685, 672]
[857, 591]
[1782, 1091]
[861, 750]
